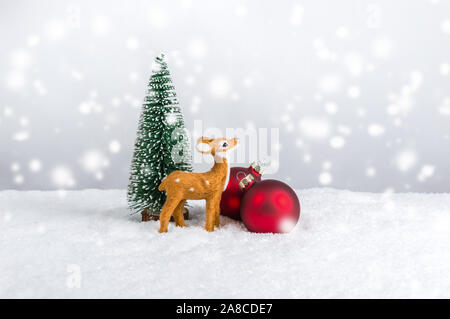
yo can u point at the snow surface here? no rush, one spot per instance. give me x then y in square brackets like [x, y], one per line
[85, 244]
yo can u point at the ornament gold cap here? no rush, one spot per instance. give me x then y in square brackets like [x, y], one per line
[247, 180]
[257, 168]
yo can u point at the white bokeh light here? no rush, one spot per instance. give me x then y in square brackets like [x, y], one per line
[342, 32]
[39, 88]
[325, 178]
[195, 104]
[286, 225]
[158, 17]
[55, 29]
[15, 167]
[241, 10]
[21, 136]
[382, 47]
[425, 173]
[35, 165]
[323, 52]
[353, 92]
[445, 26]
[15, 81]
[132, 43]
[62, 177]
[444, 107]
[337, 142]
[330, 84]
[101, 25]
[297, 15]
[220, 86]
[114, 146]
[77, 75]
[197, 48]
[406, 160]
[94, 161]
[318, 73]
[20, 59]
[331, 107]
[90, 106]
[314, 127]
[375, 130]
[19, 179]
[33, 40]
[371, 171]
[354, 63]
[444, 69]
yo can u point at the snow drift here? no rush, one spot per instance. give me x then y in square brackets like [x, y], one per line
[85, 244]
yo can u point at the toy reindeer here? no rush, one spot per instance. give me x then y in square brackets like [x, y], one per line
[180, 186]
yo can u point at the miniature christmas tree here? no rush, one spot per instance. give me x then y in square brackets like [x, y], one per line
[162, 144]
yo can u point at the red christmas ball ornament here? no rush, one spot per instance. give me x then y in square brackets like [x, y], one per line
[269, 206]
[230, 203]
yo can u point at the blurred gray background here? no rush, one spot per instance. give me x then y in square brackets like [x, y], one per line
[360, 90]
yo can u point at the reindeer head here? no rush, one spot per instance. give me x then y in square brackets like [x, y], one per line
[217, 146]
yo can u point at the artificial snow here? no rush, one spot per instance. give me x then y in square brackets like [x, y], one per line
[85, 244]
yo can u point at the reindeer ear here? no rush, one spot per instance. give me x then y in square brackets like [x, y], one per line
[203, 142]
[204, 139]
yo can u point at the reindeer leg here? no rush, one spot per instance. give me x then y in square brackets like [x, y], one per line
[166, 212]
[210, 214]
[217, 212]
[178, 214]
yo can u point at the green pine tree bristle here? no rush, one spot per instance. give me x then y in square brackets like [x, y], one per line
[161, 133]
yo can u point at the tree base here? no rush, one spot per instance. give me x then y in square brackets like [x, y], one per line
[146, 216]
